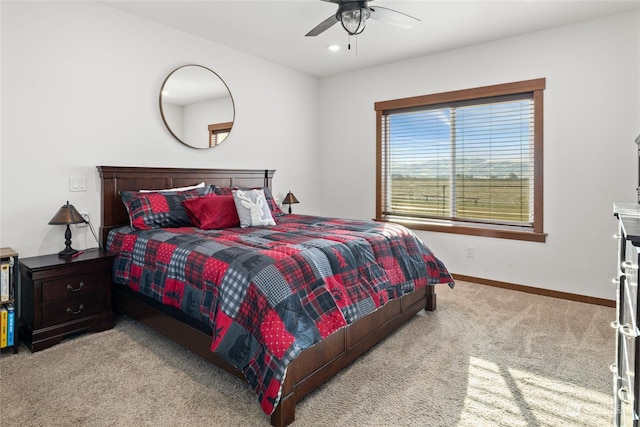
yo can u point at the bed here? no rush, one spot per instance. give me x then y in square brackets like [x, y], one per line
[340, 333]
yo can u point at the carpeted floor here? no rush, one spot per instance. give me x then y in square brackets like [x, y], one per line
[486, 356]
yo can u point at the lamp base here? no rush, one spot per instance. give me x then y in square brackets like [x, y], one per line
[68, 251]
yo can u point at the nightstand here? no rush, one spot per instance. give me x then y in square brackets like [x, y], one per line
[61, 297]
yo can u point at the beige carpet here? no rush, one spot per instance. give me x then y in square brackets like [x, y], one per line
[486, 356]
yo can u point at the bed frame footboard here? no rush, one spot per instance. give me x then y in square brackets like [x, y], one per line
[315, 366]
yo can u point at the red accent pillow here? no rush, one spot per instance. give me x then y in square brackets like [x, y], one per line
[212, 212]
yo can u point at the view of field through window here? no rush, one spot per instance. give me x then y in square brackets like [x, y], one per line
[468, 162]
[498, 199]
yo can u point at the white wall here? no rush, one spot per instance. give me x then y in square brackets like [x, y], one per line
[80, 86]
[591, 113]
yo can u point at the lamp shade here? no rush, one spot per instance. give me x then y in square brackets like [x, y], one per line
[290, 198]
[67, 214]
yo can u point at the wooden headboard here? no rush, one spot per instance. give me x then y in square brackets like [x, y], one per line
[120, 178]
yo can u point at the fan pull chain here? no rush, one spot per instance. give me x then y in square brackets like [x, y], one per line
[356, 43]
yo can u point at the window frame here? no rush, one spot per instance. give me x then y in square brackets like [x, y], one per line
[536, 232]
[217, 129]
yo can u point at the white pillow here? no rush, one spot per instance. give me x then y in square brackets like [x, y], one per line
[253, 209]
[190, 187]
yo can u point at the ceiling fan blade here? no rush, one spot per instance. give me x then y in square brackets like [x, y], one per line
[323, 26]
[393, 17]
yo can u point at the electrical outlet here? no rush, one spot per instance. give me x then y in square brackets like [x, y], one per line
[470, 252]
[85, 215]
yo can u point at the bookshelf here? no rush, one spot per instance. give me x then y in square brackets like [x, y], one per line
[9, 300]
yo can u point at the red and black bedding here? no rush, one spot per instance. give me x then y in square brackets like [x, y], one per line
[266, 292]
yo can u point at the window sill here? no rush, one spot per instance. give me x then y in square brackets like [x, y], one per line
[470, 229]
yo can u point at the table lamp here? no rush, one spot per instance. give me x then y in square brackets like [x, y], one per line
[289, 199]
[67, 215]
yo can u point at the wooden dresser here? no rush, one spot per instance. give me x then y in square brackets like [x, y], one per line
[61, 297]
[625, 385]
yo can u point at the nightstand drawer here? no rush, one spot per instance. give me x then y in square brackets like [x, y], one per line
[73, 286]
[71, 309]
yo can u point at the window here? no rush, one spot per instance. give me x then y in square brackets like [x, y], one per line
[467, 162]
[218, 133]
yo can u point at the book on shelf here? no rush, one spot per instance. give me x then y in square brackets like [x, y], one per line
[11, 324]
[5, 280]
[3, 326]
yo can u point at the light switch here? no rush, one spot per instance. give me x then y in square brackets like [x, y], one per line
[77, 183]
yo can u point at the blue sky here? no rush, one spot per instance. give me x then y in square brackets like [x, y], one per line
[489, 138]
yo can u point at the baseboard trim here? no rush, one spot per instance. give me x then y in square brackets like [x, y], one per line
[537, 291]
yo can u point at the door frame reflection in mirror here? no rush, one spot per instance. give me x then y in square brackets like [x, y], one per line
[192, 99]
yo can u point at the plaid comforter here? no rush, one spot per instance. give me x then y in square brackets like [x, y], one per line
[269, 293]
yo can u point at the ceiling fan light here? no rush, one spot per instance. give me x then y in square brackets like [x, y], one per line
[354, 20]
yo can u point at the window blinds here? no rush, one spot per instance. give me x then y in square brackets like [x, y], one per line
[470, 161]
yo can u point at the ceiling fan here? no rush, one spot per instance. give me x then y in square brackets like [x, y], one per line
[353, 16]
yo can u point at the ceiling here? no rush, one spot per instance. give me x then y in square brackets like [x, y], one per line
[275, 30]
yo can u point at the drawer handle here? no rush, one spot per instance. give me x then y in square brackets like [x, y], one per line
[615, 324]
[626, 331]
[629, 265]
[72, 289]
[622, 395]
[70, 310]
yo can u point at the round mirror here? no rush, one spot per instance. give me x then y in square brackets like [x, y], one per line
[196, 106]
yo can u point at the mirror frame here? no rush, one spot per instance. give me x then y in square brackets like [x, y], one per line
[228, 125]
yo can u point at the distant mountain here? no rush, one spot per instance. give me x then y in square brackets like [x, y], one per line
[470, 167]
